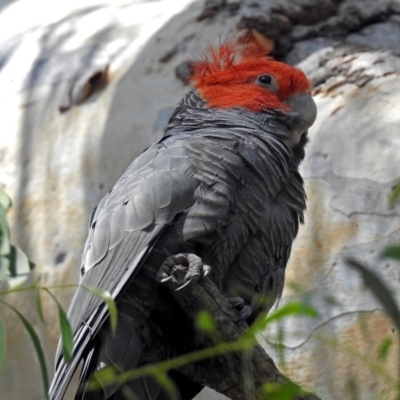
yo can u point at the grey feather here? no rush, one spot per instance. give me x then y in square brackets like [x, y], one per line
[222, 184]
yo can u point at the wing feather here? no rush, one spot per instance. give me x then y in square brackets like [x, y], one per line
[123, 230]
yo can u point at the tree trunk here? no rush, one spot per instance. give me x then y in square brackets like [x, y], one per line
[57, 166]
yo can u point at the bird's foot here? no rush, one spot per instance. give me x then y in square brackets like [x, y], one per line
[182, 269]
[244, 310]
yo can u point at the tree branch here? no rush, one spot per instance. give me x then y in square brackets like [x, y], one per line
[237, 375]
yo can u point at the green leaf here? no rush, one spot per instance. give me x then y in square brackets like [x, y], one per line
[4, 263]
[4, 234]
[205, 321]
[4, 245]
[3, 343]
[5, 200]
[67, 337]
[102, 378]
[290, 309]
[167, 383]
[128, 393]
[38, 303]
[38, 348]
[394, 195]
[379, 289]
[383, 349]
[280, 349]
[284, 391]
[391, 252]
[112, 308]
[13, 262]
[20, 267]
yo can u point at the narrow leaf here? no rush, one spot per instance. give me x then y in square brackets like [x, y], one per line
[167, 383]
[4, 264]
[112, 308]
[4, 246]
[290, 309]
[5, 200]
[383, 349]
[391, 252]
[379, 289]
[394, 195]
[280, 349]
[2, 342]
[67, 337]
[38, 348]
[4, 234]
[20, 267]
[38, 303]
[102, 378]
[284, 391]
[205, 321]
[128, 393]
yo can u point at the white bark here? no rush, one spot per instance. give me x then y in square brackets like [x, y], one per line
[56, 166]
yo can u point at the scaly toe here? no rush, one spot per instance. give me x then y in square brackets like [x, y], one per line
[244, 313]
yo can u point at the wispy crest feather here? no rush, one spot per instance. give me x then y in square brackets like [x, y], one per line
[228, 54]
[227, 76]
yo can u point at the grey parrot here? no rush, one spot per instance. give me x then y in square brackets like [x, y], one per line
[223, 184]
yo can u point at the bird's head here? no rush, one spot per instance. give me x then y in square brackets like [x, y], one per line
[240, 74]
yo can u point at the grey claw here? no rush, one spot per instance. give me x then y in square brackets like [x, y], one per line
[182, 269]
[184, 285]
[236, 302]
[244, 313]
[168, 278]
[206, 270]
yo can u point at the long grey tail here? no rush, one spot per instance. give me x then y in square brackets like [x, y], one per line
[89, 367]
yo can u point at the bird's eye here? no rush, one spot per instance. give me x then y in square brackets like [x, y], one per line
[265, 79]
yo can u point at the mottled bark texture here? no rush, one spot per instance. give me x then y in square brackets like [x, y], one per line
[238, 375]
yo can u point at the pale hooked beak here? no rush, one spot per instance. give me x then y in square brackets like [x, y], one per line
[304, 111]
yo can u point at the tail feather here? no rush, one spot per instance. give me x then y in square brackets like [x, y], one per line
[89, 367]
[83, 340]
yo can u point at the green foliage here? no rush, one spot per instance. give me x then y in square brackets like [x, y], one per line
[383, 349]
[38, 347]
[167, 383]
[66, 335]
[392, 252]
[381, 292]
[15, 268]
[67, 338]
[5, 201]
[394, 196]
[285, 391]
[205, 322]
[287, 310]
[5, 204]
[280, 348]
[38, 304]
[384, 296]
[110, 375]
[14, 265]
